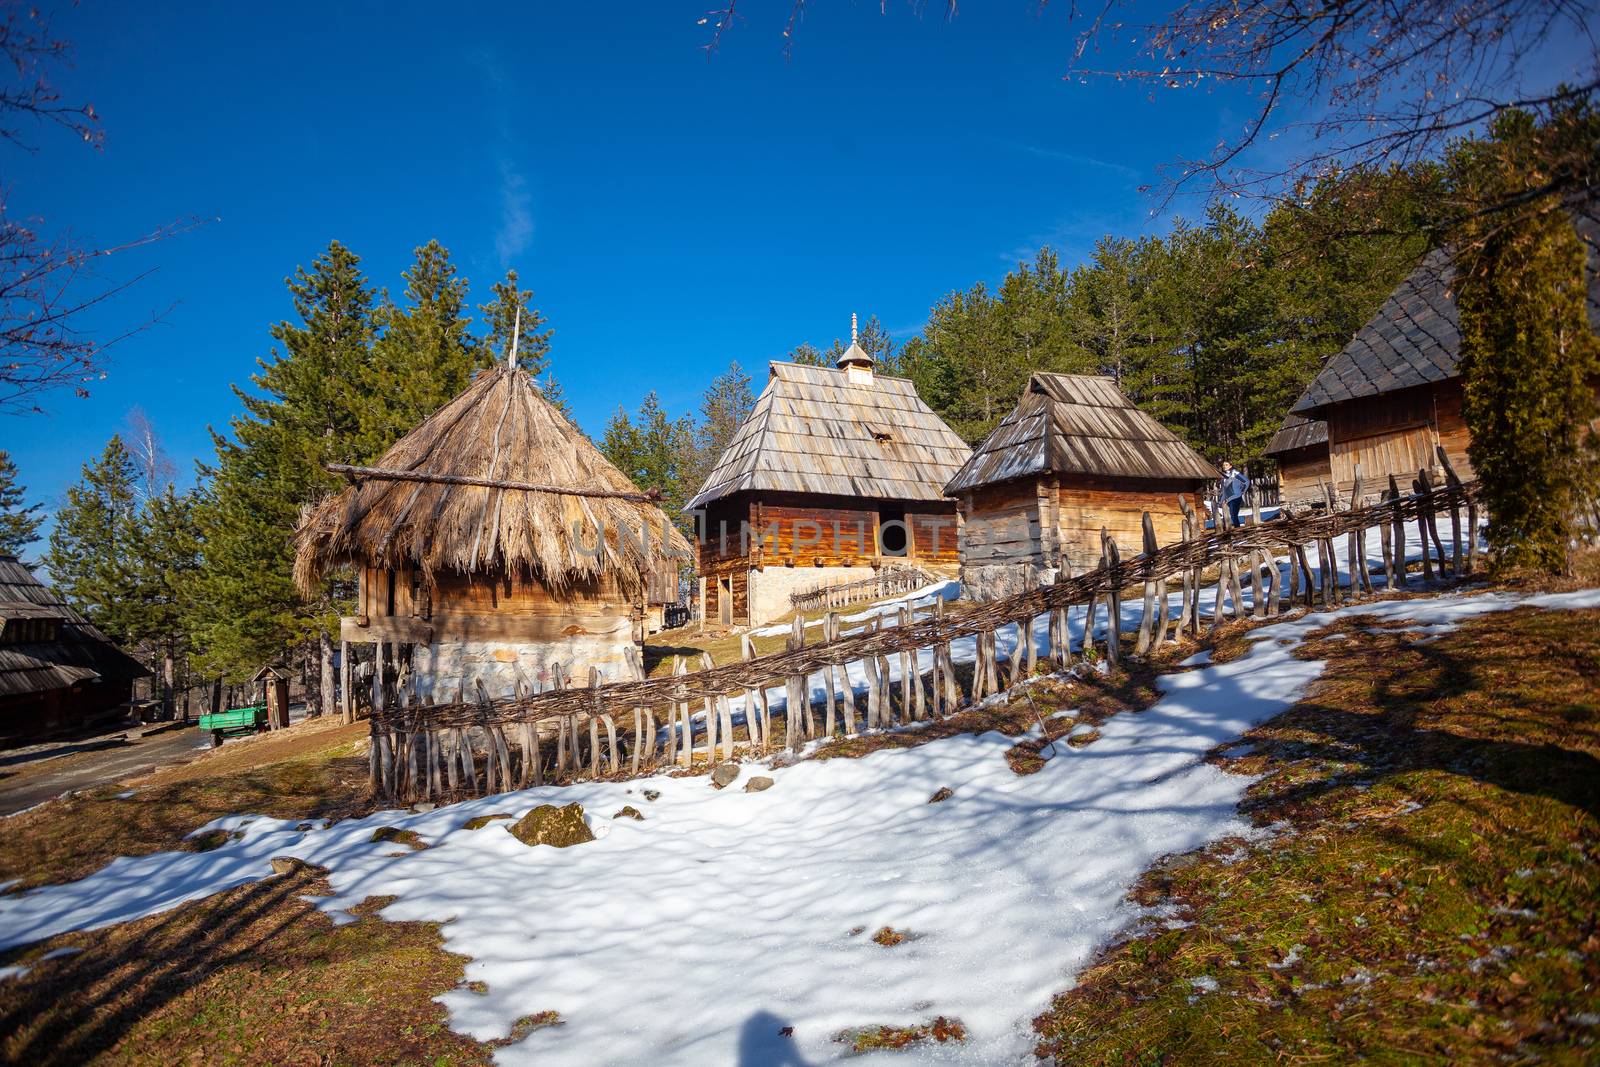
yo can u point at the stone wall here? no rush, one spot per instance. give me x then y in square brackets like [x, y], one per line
[995, 580]
[771, 588]
[441, 667]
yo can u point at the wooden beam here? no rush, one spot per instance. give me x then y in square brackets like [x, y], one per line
[385, 474]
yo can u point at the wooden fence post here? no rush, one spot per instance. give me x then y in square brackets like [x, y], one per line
[1148, 608]
[755, 706]
[1113, 559]
[1424, 505]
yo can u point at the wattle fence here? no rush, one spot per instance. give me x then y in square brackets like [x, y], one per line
[477, 744]
[889, 581]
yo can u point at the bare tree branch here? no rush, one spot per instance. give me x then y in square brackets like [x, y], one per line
[1381, 83]
[28, 47]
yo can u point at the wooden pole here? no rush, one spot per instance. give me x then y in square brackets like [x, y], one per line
[1114, 600]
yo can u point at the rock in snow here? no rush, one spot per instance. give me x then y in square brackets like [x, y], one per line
[757, 784]
[724, 774]
[550, 825]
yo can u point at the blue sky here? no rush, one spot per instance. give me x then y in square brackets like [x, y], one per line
[670, 213]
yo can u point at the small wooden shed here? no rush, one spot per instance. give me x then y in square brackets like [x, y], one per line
[837, 472]
[57, 671]
[1073, 456]
[496, 542]
[275, 694]
[1300, 449]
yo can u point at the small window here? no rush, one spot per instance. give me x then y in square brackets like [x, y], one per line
[894, 536]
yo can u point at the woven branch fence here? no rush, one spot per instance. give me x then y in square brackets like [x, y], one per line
[888, 581]
[476, 744]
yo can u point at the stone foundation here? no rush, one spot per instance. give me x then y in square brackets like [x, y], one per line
[996, 580]
[442, 667]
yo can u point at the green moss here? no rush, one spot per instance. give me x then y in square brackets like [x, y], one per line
[1427, 892]
[400, 837]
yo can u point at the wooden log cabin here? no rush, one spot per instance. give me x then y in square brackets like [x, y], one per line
[58, 673]
[495, 542]
[1300, 449]
[837, 472]
[1073, 456]
[1392, 396]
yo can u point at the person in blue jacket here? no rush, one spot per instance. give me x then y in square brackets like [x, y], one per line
[1234, 484]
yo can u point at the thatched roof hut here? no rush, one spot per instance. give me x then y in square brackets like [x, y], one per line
[500, 430]
[836, 471]
[1073, 456]
[496, 535]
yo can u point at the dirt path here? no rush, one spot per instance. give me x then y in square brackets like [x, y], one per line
[27, 784]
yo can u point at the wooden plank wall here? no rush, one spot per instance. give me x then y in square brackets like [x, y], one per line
[838, 532]
[459, 607]
[1088, 504]
[741, 597]
[935, 535]
[1398, 433]
[834, 536]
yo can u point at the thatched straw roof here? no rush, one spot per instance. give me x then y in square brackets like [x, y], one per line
[1078, 424]
[815, 430]
[500, 429]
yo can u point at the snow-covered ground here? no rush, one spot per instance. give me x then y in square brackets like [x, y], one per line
[696, 935]
[919, 599]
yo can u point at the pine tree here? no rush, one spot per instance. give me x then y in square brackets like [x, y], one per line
[1530, 360]
[424, 355]
[500, 318]
[314, 405]
[165, 572]
[652, 450]
[19, 522]
[93, 551]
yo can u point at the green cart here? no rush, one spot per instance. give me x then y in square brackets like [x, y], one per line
[234, 722]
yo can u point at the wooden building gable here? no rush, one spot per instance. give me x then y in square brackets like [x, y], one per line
[1414, 339]
[1079, 424]
[835, 432]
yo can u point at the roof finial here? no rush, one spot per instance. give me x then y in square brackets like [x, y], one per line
[852, 327]
[516, 335]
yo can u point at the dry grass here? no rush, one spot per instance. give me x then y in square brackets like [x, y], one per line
[1428, 892]
[309, 771]
[254, 975]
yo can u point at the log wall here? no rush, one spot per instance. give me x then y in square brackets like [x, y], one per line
[1302, 474]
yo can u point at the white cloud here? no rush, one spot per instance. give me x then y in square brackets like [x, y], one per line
[515, 232]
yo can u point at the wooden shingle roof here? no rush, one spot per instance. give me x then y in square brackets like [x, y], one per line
[1415, 337]
[80, 652]
[1297, 431]
[813, 430]
[1078, 424]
